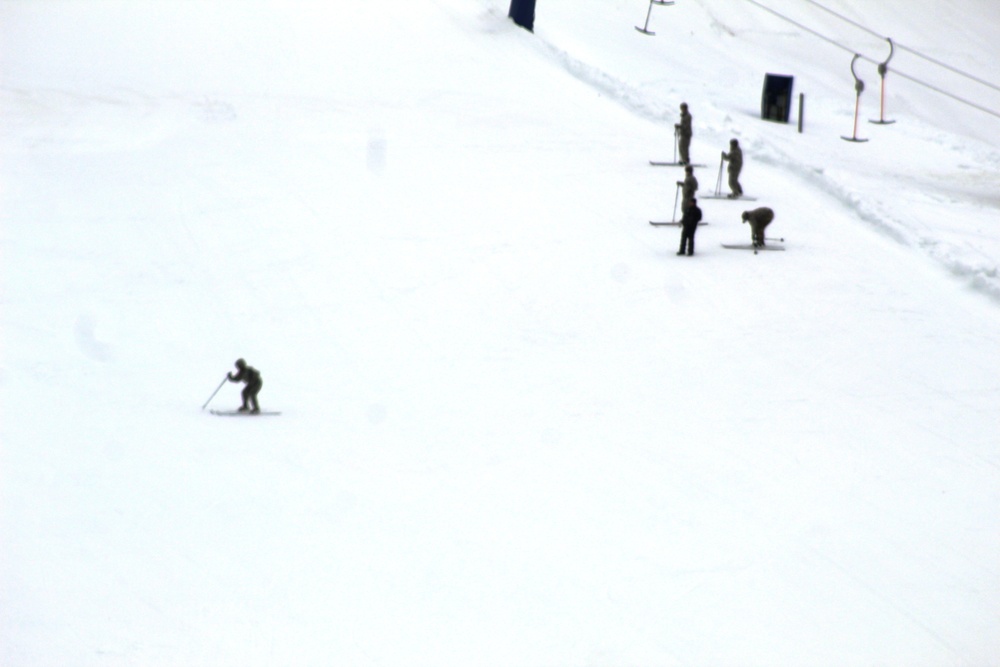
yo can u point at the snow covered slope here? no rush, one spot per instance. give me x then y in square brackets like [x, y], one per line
[517, 429]
[929, 181]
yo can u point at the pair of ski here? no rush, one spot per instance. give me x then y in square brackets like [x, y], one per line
[675, 164]
[730, 246]
[754, 246]
[676, 223]
[715, 195]
[244, 413]
[670, 223]
[719, 195]
[740, 246]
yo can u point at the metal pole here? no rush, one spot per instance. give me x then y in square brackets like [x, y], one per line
[883, 70]
[802, 104]
[859, 87]
[677, 193]
[857, 107]
[215, 392]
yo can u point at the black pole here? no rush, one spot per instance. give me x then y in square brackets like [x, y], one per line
[523, 13]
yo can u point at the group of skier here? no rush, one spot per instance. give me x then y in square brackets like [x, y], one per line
[758, 218]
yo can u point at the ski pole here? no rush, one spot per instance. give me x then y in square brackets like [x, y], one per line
[676, 139]
[215, 392]
[718, 182]
[768, 238]
[677, 193]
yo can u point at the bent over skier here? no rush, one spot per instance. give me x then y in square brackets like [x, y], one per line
[251, 377]
[759, 219]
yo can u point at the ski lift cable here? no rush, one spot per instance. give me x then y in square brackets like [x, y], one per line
[862, 56]
[903, 47]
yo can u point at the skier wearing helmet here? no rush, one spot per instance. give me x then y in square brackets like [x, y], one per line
[251, 377]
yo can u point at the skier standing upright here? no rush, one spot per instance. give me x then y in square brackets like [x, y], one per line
[689, 187]
[689, 225]
[683, 132]
[735, 158]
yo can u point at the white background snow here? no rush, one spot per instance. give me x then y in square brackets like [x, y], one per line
[517, 429]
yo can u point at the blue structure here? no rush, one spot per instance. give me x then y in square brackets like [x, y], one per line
[523, 13]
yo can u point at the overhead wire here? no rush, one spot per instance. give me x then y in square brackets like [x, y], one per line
[862, 56]
[903, 47]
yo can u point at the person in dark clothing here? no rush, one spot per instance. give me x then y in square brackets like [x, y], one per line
[251, 377]
[759, 219]
[689, 225]
[684, 132]
[735, 158]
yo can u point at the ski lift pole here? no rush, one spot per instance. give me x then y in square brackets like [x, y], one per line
[883, 69]
[645, 28]
[215, 392]
[859, 87]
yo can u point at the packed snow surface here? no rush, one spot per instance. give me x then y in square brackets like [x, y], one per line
[516, 428]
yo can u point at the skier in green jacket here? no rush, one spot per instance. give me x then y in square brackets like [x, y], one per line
[689, 187]
[683, 132]
[759, 219]
[735, 158]
[251, 377]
